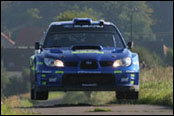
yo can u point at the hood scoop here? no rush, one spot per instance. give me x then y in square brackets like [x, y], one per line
[55, 51]
[86, 47]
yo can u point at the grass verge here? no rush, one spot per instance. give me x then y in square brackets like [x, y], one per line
[156, 87]
[15, 105]
[101, 110]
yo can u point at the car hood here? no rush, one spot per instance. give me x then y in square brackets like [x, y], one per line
[105, 54]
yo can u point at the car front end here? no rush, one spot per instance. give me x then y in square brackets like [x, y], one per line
[85, 67]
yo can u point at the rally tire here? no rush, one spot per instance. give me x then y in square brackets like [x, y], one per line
[38, 95]
[127, 95]
[32, 94]
[42, 95]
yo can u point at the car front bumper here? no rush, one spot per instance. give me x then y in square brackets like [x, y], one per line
[62, 81]
[132, 88]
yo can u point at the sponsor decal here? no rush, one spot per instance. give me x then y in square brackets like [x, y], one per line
[44, 82]
[130, 71]
[83, 26]
[89, 72]
[52, 79]
[87, 26]
[124, 79]
[44, 71]
[33, 68]
[39, 63]
[43, 75]
[118, 71]
[132, 75]
[59, 72]
[132, 82]
[88, 62]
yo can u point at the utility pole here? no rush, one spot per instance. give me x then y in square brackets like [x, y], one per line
[131, 22]
[131, 19]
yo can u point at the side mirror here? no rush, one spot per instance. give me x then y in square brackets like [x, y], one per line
[37, 46]
[130, 44]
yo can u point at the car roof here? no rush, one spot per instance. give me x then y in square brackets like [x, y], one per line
[80, 19]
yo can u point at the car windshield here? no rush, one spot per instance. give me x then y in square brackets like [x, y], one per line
[76, 37]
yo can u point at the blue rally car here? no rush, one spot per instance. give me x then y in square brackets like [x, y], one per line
[84, 55]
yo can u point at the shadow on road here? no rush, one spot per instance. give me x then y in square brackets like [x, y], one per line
[56, 103]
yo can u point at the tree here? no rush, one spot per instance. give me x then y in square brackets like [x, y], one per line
[169, 57]
[141, 22]
[149, 58]
[4, 79]
[119, 13]
[33, 16]
[70, 15]
[42, 13]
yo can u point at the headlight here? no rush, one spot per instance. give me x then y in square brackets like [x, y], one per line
[126, 61]
[58, 63]
[122, 62]
[53, 62]
[117, 63]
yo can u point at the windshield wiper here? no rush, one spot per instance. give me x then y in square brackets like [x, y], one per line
[52, 46]
[114, 41]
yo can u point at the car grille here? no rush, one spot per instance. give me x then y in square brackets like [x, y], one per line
[85, 65]
[106, 63]
[71, 64]
[79, 79]
[89, 64]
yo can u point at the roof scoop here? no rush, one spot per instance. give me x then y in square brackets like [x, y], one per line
[82, 21]
[86, 47]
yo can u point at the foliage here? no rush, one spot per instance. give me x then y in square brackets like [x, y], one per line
[10, 104]
[4, 79]
[141, 21]
[43, 13]
[169, 57]
[101, 110]
[150, 59]
[70, 15]
[156, 87]
[15, 85]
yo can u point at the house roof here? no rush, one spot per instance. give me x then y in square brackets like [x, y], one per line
[27, 36]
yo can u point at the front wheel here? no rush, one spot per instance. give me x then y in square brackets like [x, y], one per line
[127, 95]
[38, 95]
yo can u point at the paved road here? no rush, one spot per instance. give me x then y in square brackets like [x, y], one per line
[50, 107]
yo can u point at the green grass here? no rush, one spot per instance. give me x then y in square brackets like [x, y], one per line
[7, 109]
[56, 95]
[101, 110]
[156, 87]
[91, 98]
[24, 102]
[12, 105]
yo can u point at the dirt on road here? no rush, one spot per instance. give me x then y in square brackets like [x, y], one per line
[51, 107]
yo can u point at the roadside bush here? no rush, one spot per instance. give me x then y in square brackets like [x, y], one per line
[149, 58]
[4, 80]
[15, 85]
[169, 57]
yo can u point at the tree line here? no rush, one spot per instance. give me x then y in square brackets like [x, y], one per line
[148, 17]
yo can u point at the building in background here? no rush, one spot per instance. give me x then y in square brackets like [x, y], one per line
[15, 56]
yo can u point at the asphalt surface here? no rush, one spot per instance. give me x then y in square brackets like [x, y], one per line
[51, 107]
